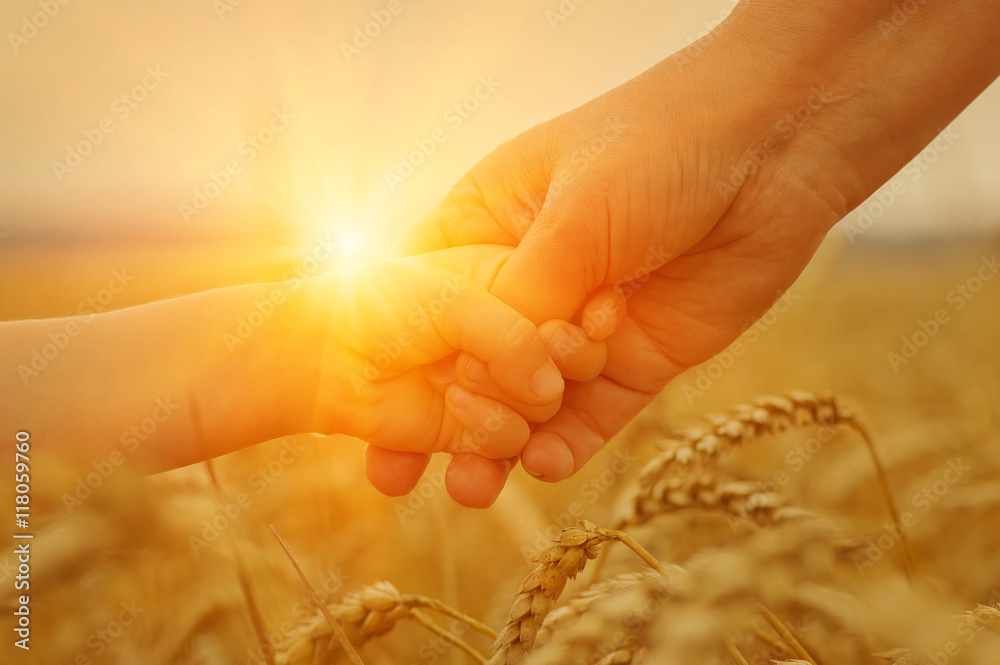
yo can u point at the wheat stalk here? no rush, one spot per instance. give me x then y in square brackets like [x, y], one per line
[787, 635]
[766, 415]
[734, 654]
[338, 630]
[372, 611]
[542, 587]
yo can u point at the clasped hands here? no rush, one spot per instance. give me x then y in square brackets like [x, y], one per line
[416, 357]
[612, 243]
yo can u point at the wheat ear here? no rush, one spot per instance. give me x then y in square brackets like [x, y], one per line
[542, 587]
[670, 578]
[988, 616]
[766, 415]
[375, 610]
[748, 500]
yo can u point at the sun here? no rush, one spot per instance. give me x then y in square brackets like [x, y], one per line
[350, 245]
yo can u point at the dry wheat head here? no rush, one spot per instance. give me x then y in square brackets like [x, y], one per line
[543, 586]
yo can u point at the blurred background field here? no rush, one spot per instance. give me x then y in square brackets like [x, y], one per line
[133, 539]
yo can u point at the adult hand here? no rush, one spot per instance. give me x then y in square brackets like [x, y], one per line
[702, 188]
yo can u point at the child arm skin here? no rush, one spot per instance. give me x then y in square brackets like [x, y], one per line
[367, 350]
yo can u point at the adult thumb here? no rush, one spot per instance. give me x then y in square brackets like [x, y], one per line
[561, 258]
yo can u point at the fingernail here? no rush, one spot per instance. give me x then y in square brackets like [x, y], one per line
[531, 473]
[459, 396]
[477, 371]
[547, 382]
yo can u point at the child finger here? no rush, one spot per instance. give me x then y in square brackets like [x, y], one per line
[474, 481]
[474, 375]
[488, 428]
[441, 374]
[578, 357]
[509, 343]
[603, 312]
[392, 472]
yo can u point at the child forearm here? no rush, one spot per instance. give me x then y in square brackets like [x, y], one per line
[130, 380]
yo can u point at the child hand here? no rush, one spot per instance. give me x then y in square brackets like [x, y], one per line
[385, 331]
[473, 480]
[578, 351]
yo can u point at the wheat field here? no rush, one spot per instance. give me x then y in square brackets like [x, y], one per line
[810, 500]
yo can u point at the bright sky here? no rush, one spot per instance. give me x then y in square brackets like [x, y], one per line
[170, 93]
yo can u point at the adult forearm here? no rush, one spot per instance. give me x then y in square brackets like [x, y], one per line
[126, 380]
[856, 87]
